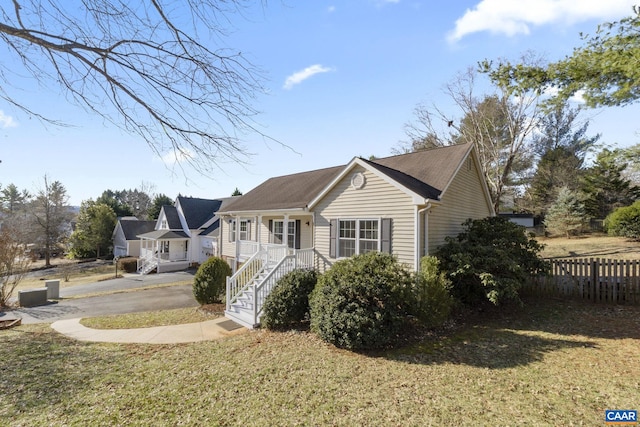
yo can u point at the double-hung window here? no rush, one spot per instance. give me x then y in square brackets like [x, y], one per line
[358, 236]
[244, 230]
[277, 231]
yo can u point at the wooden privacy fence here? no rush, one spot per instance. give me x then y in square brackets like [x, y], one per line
[594, 279]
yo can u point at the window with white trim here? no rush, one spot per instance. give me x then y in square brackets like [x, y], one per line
[245, 230]
[278, 233]
[358, 236]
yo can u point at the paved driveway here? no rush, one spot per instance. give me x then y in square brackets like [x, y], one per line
[125, 296]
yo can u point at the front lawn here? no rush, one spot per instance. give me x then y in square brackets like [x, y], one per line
[552, 363]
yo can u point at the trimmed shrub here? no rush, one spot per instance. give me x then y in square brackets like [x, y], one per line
[288, 303]
[490, 259]
[432, 300]
[624, 221]
[128, 265]
[209, 283]
[358, 303]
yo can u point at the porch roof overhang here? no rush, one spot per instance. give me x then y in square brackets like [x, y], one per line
[164, 235]
[269, 212]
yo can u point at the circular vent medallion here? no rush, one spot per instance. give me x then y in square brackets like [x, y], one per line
[357, 180]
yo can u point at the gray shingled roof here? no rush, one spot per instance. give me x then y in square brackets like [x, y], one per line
[173, 219]
[132, 228]
[198, 211]
[285, 192]
[164, 235]
[426, 172]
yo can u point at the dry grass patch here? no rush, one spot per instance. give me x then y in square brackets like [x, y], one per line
[591, 246]
[78, 276]
[148, 319]
[553, 363]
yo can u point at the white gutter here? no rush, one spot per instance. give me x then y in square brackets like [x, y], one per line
[425, 233]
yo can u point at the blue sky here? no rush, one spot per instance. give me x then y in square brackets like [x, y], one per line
[343, 78]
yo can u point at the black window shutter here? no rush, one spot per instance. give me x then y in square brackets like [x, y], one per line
[271, 239]
[385, 245]
[297, 243]
[333, 233]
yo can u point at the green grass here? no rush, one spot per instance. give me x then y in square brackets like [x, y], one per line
[148, 319]
[552, 363]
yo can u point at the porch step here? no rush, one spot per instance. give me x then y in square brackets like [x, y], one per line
[240, 316]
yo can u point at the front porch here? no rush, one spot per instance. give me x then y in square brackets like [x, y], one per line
[163, 251]
[248, 288]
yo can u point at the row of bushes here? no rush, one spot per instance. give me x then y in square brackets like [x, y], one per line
[368, 300]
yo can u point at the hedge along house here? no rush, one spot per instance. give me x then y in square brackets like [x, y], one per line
[185, 234]
[405, 205]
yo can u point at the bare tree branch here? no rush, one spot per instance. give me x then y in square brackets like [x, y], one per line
[151, 68]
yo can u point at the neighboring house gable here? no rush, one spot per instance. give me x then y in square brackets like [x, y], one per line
[196, 212]
[125, 235]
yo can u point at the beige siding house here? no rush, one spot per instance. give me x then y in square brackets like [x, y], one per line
[420, 197]
[405, 205]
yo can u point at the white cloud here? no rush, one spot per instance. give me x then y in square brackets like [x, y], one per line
[331, 9]
[7, 121]
[511, 17]
[175, 157]
[300, 76]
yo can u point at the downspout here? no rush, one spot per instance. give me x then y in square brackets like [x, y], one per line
[418, 228]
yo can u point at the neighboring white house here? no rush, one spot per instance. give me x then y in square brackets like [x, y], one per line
[405, 205]
[184, 235]
[125, 235]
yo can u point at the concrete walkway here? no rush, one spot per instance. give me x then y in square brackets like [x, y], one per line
[174, 334]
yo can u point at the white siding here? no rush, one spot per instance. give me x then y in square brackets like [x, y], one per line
[464, 199]
[377, 199]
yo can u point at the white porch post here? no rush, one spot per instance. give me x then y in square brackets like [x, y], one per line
[157, 257]
[285, 232]
[259, 230]
[236, 227]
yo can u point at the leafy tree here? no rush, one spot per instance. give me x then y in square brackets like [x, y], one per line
[605, 187]
[604, 70]
[624, 221]
[14, 264]
[490, 259]
[151, 69]
[156, 205]
[567, 215]
[93, 235]
[52, 216]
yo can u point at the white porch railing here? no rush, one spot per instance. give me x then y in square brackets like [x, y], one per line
[275, 261]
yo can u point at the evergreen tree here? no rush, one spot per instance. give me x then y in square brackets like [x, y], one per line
[567, 215]
[236, 192]
[116, 200]
[156, 205]
[605, 186]
[12, 199]
[52, 216]
[561, 147]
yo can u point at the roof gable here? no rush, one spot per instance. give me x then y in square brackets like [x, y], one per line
[196, 211]
[170, 213]
[423, 174]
